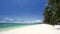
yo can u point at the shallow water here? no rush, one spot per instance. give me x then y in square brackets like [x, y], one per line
[8, 25]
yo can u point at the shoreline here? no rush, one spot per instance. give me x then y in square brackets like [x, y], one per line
[33, 29]
[14, 27]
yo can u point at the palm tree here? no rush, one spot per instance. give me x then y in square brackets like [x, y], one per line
[52, 11]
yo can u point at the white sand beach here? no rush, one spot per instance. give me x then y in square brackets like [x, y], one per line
[34, 29]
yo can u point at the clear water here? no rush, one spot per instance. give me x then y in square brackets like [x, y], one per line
[7, 25]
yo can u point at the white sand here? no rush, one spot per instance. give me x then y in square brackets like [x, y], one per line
[34, 29]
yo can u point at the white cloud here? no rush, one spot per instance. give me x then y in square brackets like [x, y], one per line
[7, 18]
[2, 21]
[38, 20]
[11, 19]
[46, 4]
[34, 21]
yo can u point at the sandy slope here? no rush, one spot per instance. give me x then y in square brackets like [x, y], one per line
[34, 29]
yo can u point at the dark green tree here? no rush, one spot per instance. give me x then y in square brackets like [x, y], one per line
[52, 12]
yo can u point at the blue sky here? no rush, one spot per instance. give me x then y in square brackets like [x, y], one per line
[22, 9]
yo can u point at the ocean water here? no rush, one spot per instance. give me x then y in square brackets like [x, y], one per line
[8, 25]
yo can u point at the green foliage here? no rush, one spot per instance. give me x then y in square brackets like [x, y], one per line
[52, 12]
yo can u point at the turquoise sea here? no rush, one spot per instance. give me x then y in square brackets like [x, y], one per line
[10, 25]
